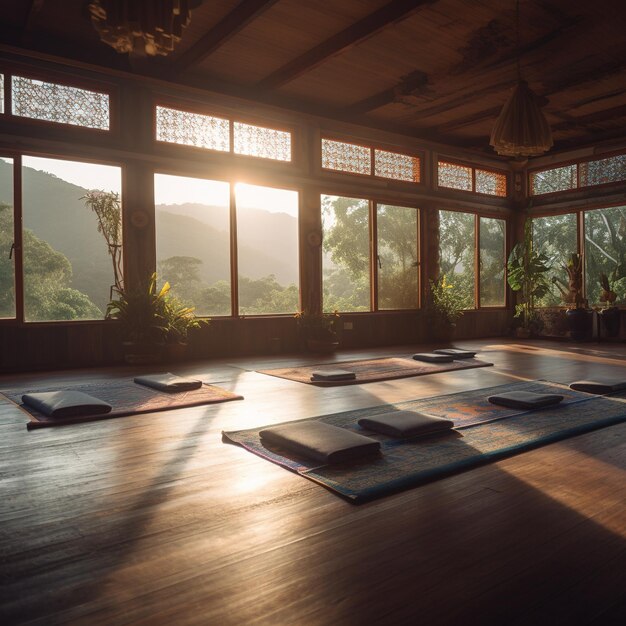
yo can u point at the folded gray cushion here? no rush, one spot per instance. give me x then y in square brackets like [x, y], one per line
[320, 442]
[66, 403]
[599, 385]
[168, 382]
[456, 353]
[405, 424]
[332, 374]
[432, 357]
[525, 399]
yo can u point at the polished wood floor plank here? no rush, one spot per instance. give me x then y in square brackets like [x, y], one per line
[154, 520]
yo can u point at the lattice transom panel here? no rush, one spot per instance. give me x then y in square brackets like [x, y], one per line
[555, 179]
[603, 171]
[346, 157]
[192, 129]
[63, 104]
[396, 166]
[491, 183]
[454, 176]
[266, 143]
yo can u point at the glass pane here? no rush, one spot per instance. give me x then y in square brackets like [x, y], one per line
[398, 267]
[1, 93]
[192, 129]
[491, 183]
[68, 265]
[346, 157]
[492, 261]
[346, 254]
[605, 252]
[192, 220]
[396, 166]
[7, 266]
[611, 170]
[454, 176]
[456, 253]
[59, 103]
[266, 143]
[267, 250]
[550, 181]
[556, 236]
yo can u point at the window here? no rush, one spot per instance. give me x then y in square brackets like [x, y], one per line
[585, 174]
[192, 219]
[457, 253]
[356, 159]
[68, 267]
[221, 134]
[52, 102]
[467, 178]
[398, 260]
[1, 93]
[557, 237]
[347, 268]
[492, 259]
[192, 129]
[605, 252]
[193, 244]
[7, 256]
[267, 250]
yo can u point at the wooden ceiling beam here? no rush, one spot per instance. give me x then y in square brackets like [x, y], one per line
[224, 30]
[31, 18]
[581, 121]
[357, 32]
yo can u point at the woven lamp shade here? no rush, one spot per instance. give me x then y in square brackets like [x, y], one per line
[521, 128]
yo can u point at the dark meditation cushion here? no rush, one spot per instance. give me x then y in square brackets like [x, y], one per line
[456, 353]
[525, 399]
[405, 424]
[599, 385]
[168, 382]
[65, 403]
[320, 442]
[332, 374]
[432, 357]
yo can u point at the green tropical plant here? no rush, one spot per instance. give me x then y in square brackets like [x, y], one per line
[527, 273]
[318, 326]
[446, 302]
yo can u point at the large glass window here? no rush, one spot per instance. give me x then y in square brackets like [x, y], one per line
[7, 256]
[492, 258]
[557, 237]
[605, 252]
[192, 218]
[398, 260]
[457, 253]
[346, 254]
[267, 249]
[68, 265]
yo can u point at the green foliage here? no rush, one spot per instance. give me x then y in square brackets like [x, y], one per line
[319, 326]
[152, 316]
[527, 273]
[456, 257]
[446, 302]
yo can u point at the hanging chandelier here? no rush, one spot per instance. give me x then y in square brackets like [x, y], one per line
[521, 129]
[150, 26]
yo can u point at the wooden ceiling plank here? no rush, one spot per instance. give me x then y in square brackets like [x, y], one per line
[224, 30]
[357, 32]
[31, 18]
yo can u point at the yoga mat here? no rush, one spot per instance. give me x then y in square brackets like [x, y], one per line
[408, 463]
[372, 370]
[125, 396]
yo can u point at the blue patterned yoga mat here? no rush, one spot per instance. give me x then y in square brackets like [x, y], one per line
[407, 463]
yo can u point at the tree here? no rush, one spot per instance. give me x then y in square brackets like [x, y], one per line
[183, 274]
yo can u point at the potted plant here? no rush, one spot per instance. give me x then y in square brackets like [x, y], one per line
[610, 314]
[151, 318]
[578, 315]
[445, 307]
[178, 320]
[318, 331]
[527, 274]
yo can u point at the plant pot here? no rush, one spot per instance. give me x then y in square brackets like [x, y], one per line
[579, 322]
[610, 320]
[322, 346]
[175, 351]
[141, 354]
[521, 332]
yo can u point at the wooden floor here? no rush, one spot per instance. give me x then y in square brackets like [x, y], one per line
[153, 520]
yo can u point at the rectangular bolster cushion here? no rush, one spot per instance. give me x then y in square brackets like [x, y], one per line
[405, 424]
[332, 374]
[432, 357]
[320, 442]
[456, 353]
[66, 403]
[599, 385]
[525, 399]
[168, 382]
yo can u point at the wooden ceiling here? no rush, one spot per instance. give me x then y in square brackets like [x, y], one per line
[433, 69]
